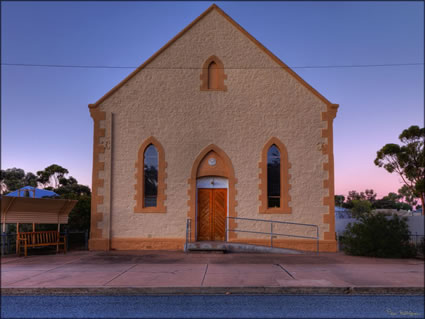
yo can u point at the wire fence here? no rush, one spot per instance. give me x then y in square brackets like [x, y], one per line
[417, 241]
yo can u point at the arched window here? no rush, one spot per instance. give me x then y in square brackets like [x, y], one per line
[150, 164]
[274, 179]
[212, 76]
[150, 178]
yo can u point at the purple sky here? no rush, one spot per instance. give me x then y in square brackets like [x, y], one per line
[45, 118]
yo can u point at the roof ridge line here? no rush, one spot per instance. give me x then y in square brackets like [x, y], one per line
[157, 53]
[241, 29]
[274, 57]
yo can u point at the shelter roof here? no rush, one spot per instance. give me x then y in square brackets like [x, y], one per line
[35, 210]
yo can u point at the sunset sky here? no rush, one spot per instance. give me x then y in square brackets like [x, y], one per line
[360, 47]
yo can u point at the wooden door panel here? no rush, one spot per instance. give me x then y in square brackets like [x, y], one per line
[219, 214]
[212, 211]
[204, 214]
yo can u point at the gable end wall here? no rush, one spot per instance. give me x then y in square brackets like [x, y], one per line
[262, 101]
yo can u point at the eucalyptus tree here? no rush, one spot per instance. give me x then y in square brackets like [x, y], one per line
[406, 160]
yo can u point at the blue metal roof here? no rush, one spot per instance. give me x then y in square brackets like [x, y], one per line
[28, 191]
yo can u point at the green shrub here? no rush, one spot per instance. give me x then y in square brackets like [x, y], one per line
[376, 235]
[360, 208]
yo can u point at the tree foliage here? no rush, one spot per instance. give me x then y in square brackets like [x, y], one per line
[12, 179]
[354, 195]
[339, 200]
[407, 160]
[361, 207]
[370, 195]
[79, 217]
[367, 195]
[72, 190]
[390, 201]
[407, 195]
[52, 175]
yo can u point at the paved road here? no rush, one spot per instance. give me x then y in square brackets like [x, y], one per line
[213, 306]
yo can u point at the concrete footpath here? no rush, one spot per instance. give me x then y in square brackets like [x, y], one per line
[169, 272]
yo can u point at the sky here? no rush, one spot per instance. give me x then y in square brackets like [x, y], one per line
[45, 118]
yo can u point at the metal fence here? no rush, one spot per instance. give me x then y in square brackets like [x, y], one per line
[8, 243]
[417, 240]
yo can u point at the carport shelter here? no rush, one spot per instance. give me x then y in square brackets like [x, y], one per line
[16, 210]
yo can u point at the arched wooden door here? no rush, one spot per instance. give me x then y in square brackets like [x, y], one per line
[212, 210]
[211, 195]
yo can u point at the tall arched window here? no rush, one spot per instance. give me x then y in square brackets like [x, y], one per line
[150, 164]
[212, 76]
[150, 178]
[274, 179]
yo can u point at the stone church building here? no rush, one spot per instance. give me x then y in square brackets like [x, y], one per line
[209, 139]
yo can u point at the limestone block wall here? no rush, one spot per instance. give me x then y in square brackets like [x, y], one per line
[164, 100]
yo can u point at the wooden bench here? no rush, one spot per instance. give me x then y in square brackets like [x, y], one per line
[39, 239]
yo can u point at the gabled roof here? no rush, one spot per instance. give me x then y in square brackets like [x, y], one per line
[242, 30]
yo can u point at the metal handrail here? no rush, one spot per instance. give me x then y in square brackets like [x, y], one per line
[271, 229]
[188, 231]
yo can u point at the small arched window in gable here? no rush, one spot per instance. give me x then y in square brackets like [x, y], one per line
[150, 164]
[212, 76]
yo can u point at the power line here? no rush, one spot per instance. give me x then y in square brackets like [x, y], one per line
[194, 68]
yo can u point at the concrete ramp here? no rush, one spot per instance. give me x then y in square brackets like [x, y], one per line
[223, 247]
